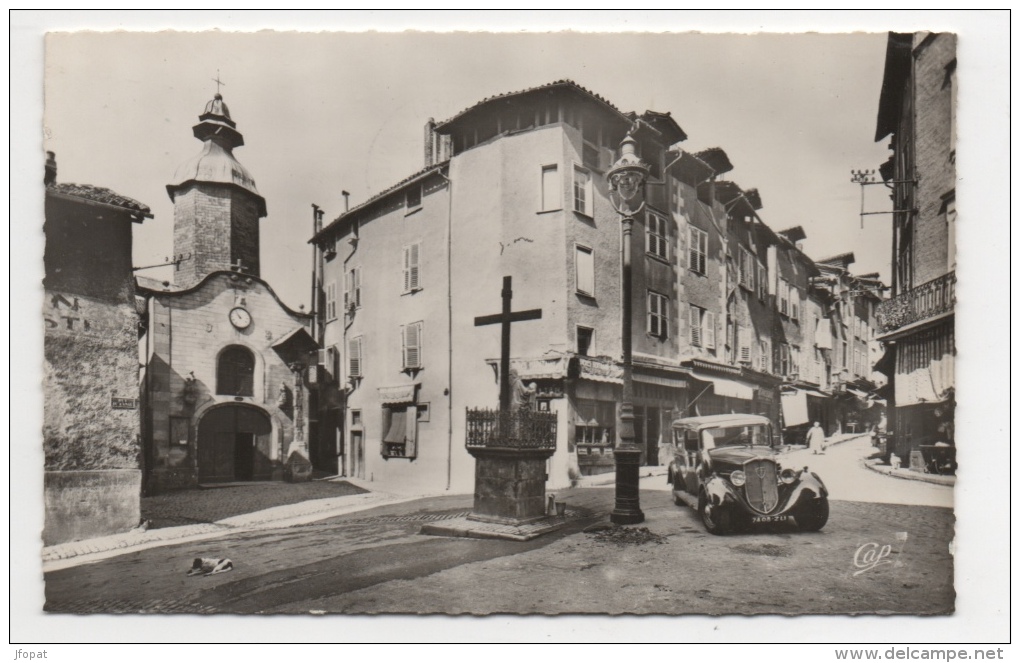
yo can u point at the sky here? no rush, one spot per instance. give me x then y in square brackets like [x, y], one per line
[327, 112]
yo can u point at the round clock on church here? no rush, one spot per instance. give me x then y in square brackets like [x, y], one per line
[240, 318]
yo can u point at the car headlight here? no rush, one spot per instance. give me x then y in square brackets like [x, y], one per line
[738, 478]
[787, 476]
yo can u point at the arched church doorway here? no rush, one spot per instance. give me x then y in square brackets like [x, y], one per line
[234, 444]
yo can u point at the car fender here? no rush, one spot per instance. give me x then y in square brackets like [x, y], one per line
[719, 491]
[810, 487]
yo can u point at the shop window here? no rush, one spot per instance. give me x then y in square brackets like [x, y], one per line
[595, 423]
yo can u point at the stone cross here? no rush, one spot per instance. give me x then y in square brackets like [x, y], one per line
[504, 319]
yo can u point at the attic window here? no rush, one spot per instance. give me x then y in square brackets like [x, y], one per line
[412, 198]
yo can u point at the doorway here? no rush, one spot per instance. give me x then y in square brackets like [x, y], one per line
[357, 454]
[234, 445]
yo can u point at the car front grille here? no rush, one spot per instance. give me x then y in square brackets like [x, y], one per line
[762, 487]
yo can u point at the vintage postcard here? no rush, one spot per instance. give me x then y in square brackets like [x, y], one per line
[349, 323]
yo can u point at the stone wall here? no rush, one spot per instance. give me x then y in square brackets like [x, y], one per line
[86, 504]
[216, 226]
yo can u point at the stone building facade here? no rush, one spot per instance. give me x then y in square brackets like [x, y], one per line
[93, 454]
[516, 186]
[917, 114]
[226, 387]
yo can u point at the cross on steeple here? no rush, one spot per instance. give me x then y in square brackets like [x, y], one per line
[218, 81]
[504, 319]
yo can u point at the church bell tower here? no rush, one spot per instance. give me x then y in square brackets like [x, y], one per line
[216, 205]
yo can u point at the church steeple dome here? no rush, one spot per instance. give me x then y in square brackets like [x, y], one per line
[216, 162]
[215, 124]
[216, 204]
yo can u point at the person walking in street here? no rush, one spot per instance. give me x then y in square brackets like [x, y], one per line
[816, 439]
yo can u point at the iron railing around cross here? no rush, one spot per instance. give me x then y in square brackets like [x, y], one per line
[510, 429]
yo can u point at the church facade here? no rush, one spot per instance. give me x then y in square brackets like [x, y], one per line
[225, 389]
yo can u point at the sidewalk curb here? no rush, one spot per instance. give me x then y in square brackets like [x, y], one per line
[909, 475]
[609, 478]
[76, 553]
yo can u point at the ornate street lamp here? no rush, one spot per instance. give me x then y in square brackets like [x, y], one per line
[627, 193]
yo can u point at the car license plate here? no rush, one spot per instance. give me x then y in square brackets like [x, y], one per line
[769, 519]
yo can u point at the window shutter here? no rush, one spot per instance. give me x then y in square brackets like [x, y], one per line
[682, 232]
[709, 326]
[354, 357]
[412, 345]
[357, 286]
[766, 356]
[348, 288]
[551, 190]
[695, 321]
[412, 267]
[585, 268]
[744, 337]
[411, 432]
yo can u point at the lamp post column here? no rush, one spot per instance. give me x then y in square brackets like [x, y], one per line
[627, 510]
[627, 180]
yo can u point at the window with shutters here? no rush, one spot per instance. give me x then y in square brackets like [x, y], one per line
[656, 236]
[764, 356]
[696, 316]
[584, 267]
[412, 268]
[583, 202]
[355, 366]
[552, 191]
[352, 289]
[708, 329]
[784, 297]
[400, 431]
[410, 336]
[697, 250]
[746, 266]
[794, 360]
[743, 344]
[763, 282]
[331, 300]
[784, 359]
[795, 304]
[658, 315]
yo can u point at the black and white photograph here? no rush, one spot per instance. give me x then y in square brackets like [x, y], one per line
[346, 323]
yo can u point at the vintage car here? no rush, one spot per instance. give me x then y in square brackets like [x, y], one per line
[727, 467]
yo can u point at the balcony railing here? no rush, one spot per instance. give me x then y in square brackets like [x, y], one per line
[514, 429]
[928, 300]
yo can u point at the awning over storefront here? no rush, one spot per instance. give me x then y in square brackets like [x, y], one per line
[795, 411]
[675, 383]
[727, 387]
[394, 395]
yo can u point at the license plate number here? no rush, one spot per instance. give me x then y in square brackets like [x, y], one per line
[769, 519]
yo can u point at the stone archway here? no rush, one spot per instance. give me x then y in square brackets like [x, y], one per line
[234, 444]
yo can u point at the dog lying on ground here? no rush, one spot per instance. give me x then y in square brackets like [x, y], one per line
[207, 566]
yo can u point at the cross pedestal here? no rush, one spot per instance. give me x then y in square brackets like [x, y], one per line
[510, 445]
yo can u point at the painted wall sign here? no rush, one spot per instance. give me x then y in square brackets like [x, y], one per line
[124, 403]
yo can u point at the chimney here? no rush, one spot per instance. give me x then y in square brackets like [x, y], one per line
[430, 142]
[51, 169]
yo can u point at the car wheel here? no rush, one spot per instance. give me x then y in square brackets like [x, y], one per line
[715, 519]
[813, 517]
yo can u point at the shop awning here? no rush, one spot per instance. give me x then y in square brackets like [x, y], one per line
[727, 387]
[394, 395]
[675, 383]
[795, 411]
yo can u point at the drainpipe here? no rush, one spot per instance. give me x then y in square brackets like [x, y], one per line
[449, 329]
